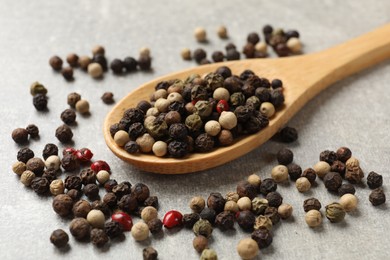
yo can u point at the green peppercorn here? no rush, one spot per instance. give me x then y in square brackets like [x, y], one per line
[203, 227]
[335, 212]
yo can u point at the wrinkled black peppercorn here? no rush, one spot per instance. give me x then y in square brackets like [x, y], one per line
[190, 219]
[122, 189]
[285, 156]
[56, 63]
[40, 102]
[346, 188]
[149, 253]
[49, 150]
[338, 166]
[40, 185]
[64, 134]
[141, 192]
[98, 237]
[333, 181]
[73, 182]
[328, 156]
[232, 54]
[268, 185]
[20, 135]
[273, 214]
[113, 229]
[246, 220]
[91, 191]
[68, 116]
[224, 71]
[25, 154]
[128, 203]
[374, 180]
[87, 176]
[199, 55]
[216, 202]
[343, 154]
[288, 134]
[310, 174]
[117, 66]
[59, 238]
[178, 131]
[274, 199]
[208, 214]
[70, 162]
[224, 220]
[377, 197]
[131, 147]
[245, 189]
[155, 225]
[130, 64]
[110, 184]
[311, 203]
[294, 171]
[32, 130]
[151, 201]
[67, 73]
[262, 236]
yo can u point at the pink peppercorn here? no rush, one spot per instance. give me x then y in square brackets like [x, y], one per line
[172, 219]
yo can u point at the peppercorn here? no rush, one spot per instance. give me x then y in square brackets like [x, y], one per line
[232, 54]
[244, 203]
[149, 253]
[24, 154]
[349, 202]
[73, 98]
[338, 166]
[95, 70]
[130, 64]
[377, 197]
[91, 191]
[302, 184]
[59, 238]
[343, 154]
[224, 220]
[321, 168]
[259, 205]
[113, 229]
[253, 38]
[246, 220]
[57, 187]
[311, 203]
[185, 54]
[354, 174]
[128, 203]
[294, 45]
[20, 135]
[98, 237]
[216, 202]
[200, 34]
[116, 66]
[267, 29]
[285, 156]
[208, 214]
[267, 185]
[110, 184]
[274, 199]
[82, 106]
[249, 50]
[70, 162]
[131, 147]
[328, 156]
[203, 227]
[204, 143]
[335, 212]
[18, 167]
[64, 134]
[84, 61]
[272, 214]
[62, 204]
[280, 173]
[56, 63]
[140, 231]
[32, 130]
[144, 62]
[67, 73]
[288, 134]
[263, 222]
[224, 71]
[190, 219]
[81, 208]
[74, 194]
[248, 248]
[217, 56]
[245, 189]
[208, 254]
[333, 181]
[79, 228]
[27, 177]
[35, 165]
[197, 204]
[346, 189]
[40, 185]
[96, 218]
[68, 116]
[73, 182]
[313, 218]
[263, 237]
[374, 180]
[200, 243]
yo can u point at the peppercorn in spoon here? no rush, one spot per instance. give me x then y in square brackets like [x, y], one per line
[303, 78]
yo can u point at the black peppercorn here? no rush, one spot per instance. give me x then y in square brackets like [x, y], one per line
[91, 191]
[130, 64]
[40, 185]
[149, 253]
[151, 201]
[204, 143]
[217, 56]
[59, 238]
[267, 29]
[310, 174]
[276, 98]
[249, 50]
[128, 203]
[232, 54]
[216, 202]
[233, 84]
[285, 156]
[273, 214]
[79, 228]
[248, 89]
[144, 105]
[73, 98]
[224, 71]
[178, 131]
[292, 33]
[246, 220]
[136, 130]
[245, 189]
[224, 220]
[294, 171]
[74, 194]
[70, 162]
[155, 225]
[263, 94]
[144, 62]
[62, 204]
[67, 73]
[199, 55]
[98, 237]
[230, 46]
[101, 59]
[102, 206]
[253, 38]
[276, 83]
[282, 50]
[56, 63]
[237, 99]
[64, 134]
[110, 184]
[243, 113]
[262, 236]
[68, 116]
[274, 199]
[131, 147]
[20, 135]
[311, 203]
[134, 115]
[117, 66]
[343, 154]
[346, 188]
[108, 98]
[49, 150]
[36, 165]
[110, 200]
[338, 166]
[24, 155]
[333, 181]
[190, 219]
[377, 197]
[288, 134]
[72, 59]
[50, 175]
[87, 176]
[328, 156]
[122, 189]
[268, 185]
[113, 229]
[32, 130]
[374, 180]
[208, 214]
[141, 192]
[73, 182]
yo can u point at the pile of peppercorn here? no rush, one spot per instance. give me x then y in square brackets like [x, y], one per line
[198, 114]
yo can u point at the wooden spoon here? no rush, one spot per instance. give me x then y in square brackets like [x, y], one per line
[303, 78]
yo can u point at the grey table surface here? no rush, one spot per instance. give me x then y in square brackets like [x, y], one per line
[353, 113]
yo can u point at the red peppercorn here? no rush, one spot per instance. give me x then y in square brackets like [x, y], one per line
[124, 219]
[194, 101]
[84, 154]
[69, 150]
[222, 105]
[172, 219]
[100, 165]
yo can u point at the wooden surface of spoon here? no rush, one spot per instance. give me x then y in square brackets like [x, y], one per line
[303, 78]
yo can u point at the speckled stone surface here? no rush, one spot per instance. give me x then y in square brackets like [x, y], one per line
[353, 113]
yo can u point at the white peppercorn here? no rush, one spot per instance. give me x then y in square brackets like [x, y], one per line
[95, 70]
[160, 93]
[208, 254]
[82, 106]
[247, 248]
[244, 203]
[279, 173]
[303, 184]
[152, 112]
[285, 210]
[144, 51]
[121, 137]
[232, 196]
[261, 47]
[160, 148]
[140, 231]
[222, 32]
[148, 213]
[254, 180]
[294, 44]
[267, 109]
[162, 105]
[186, 54]
[227, 120]
[145, 143]
[313, 218]
[349, 202]
[96, 218]
[174, 97]
[221, 94]
[200, 34]
[197, 204]
[212, 128]
[27, 177]
[53, 162]
[57, 187]
[231, 206]
[102, 176]
[19, 167]
[352, 162]
[321, 168]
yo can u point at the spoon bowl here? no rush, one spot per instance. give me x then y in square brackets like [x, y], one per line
[303, 78]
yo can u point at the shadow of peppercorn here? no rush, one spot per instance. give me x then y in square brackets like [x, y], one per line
[119, 239]
[63, 250]
[86, 115]
[149, 71]
[103, 249]
[145, 243]
[158, 236]
[270, 250]
[229, 232]
[172, 231]
[355, 213]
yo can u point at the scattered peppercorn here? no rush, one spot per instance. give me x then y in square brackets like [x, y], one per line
[24, 154]
[155, 225]
[32, 130]
[285, 156]
[335, 212]
[56, 63]
[267, 185]
[200, 243]
[108, 98]
[374, 180]
[64, 134]
[149, 253]
[246, 220]
[40, 185]
[377, 197]
[311, 203]
[288, 134]
[79, 228]
[20, 135]
[333, 181]
[59, 238]
[113, 229]
[68, 116]
[67, 73]
[190, 219]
